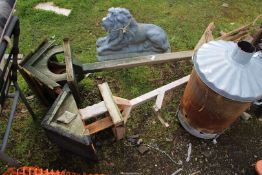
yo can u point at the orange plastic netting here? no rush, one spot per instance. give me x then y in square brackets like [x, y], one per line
[39, 171]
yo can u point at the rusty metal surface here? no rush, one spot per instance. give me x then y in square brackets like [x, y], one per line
[207, 111]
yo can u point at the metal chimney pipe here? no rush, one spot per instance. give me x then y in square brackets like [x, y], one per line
[243, 52]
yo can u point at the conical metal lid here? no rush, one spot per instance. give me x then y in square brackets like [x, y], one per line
[230, 69]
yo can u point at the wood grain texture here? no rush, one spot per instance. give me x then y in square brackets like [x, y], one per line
[145, 97]
[136, 61]
[110, 103]
[98, 126]
[71, 80]
[206, 37]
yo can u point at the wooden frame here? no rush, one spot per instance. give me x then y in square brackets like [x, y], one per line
[70, 74]
[113, 103]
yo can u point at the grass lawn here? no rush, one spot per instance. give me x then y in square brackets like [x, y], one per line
[184, 21]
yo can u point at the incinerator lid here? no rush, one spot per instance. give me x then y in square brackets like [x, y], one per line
[230, 69]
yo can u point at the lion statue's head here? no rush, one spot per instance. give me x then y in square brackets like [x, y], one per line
[117, 19]
[127, 38]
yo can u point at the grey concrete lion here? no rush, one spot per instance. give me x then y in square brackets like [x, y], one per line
[127, 38]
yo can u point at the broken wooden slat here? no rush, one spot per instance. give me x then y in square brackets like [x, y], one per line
[159, 101]
[100, 108]
[126, 112]
[237, 36]
[49, 6]
[71, 80]
[143, 98]
[98, 126]
[228, 35]
[93, 111]
[206, 37]
[162, 121]
[122, 101]
[158, 106]
[110, 103]
[136, 61]
[247, 37]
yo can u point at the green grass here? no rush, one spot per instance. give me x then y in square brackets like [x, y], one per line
[184, 22]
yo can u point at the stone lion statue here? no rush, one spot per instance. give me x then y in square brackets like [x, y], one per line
[127, 38]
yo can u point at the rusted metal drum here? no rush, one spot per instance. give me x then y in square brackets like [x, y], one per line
[212, 101]
[205, 113]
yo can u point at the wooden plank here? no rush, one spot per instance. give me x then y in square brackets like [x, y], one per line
[145, 97]
[98, 126]
[34, 84]
[93, 111]
[136, 61]
[122, 101]
[71, 80]
[162, 121]
[110, 103]
[206, 37]
[158, 106]
[42, 77]
[159, 101]
[126, 113]
[236, 37]
[119, 132]
[100, 108]
[232, 33]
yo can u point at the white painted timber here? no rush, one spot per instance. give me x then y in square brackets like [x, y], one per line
[49, 6]
[100, 108]
[93, 111]
[143, 98]
[159, 101]
[110, 103]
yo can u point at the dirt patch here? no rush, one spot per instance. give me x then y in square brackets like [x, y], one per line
[236, 152]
